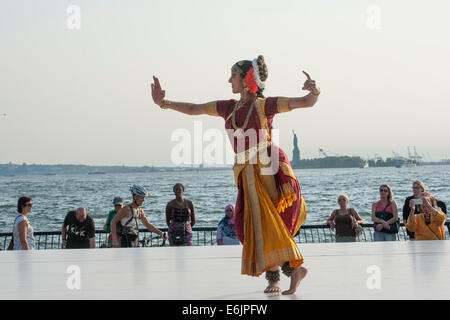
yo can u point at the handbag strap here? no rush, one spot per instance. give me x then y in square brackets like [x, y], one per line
[14, 223]
[12, 235]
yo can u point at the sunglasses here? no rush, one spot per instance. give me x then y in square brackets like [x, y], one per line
[416, 188]
[384, 190]
[28, 205]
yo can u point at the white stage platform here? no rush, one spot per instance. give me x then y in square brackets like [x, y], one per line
[408, 270]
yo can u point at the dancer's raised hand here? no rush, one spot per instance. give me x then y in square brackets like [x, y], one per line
[158, 93]
[310, 85]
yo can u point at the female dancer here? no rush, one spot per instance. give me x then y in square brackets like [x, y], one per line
[269, 206]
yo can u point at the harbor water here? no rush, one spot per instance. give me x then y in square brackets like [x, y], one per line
[210, 190]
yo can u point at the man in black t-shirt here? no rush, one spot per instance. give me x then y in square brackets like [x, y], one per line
[80, 230]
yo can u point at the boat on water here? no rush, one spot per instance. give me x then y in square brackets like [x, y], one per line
[409, 165]
[97, 172]
[406, 164]
[364, 165]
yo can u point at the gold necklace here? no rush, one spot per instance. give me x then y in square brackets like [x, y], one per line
[239, 131]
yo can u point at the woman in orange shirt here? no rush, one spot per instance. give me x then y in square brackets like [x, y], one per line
[429, 224]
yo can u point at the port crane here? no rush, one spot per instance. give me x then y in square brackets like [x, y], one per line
[327, 154]
[415, 155]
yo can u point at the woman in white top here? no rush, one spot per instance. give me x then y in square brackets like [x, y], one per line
[22, 230]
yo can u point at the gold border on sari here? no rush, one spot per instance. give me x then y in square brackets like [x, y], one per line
[256, 215]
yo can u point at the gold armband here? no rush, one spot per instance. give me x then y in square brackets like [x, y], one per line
[283, 105]
[211, 108]
[165, 104]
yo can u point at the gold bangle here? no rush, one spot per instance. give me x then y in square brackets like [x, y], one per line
[316, 95]
[165, 104]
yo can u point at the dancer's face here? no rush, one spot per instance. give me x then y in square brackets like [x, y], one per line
[236, 82]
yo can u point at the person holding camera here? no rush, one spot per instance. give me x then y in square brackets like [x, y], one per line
[127, 221]
[418, 189]
[429, 223]
[180, 218]
[385, 216]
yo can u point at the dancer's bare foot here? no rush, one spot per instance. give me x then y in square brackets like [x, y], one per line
[273, 287]
[297, 275]
[273, 277]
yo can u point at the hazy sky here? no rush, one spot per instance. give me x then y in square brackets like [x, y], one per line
[83, 95]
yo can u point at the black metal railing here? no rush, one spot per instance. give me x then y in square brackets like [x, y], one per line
[205, 236]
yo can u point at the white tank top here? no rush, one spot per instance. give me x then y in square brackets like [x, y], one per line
[133, 223]
[30, 237]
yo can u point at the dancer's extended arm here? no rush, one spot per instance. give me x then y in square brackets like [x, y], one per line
[308, 100]
[158, 95]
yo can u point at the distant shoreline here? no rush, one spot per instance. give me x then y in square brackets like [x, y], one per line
[12, 169]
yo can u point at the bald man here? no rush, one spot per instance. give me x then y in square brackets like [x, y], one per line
[78, 231]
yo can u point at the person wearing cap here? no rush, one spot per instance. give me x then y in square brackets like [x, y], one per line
[128, 217]
[118, 204]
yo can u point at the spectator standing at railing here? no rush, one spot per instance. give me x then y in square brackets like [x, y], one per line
[418, 189]
[345, 221]
[22, 238]
[78, 230]
[225, 230]
[429, 223]
[128, 217]
[118, 204]
[180, 218]
[385, 216]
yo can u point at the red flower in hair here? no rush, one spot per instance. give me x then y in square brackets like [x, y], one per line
[250, 81]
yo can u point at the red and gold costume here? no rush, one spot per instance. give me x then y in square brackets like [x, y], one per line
[269, 207]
